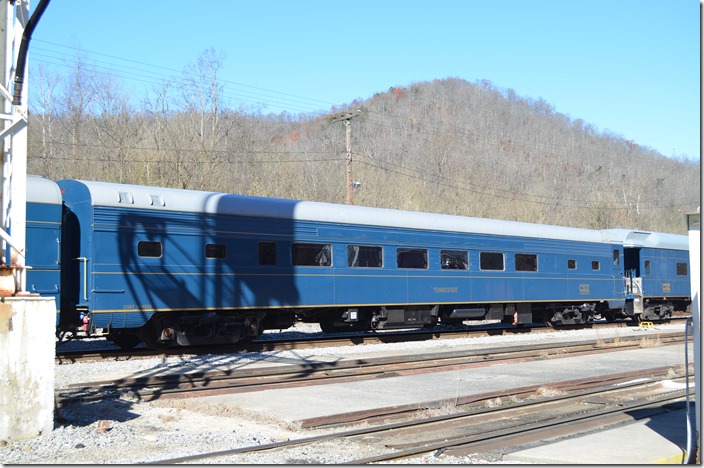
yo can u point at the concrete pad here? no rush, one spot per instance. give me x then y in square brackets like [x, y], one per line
[660, 439]
[298, 403]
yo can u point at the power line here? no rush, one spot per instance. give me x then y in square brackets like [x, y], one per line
[156, 75]
[507, 194]
[405, 171]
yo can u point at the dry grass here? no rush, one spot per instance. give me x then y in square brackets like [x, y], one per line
[549, 392]
[602, 343]
[650, 342]
[491, 403]
[679, 371]
[551, 354]
[228, 411]
[446, 407]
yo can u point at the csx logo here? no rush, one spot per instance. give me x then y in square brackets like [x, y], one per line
[583, 289]
[665, 287]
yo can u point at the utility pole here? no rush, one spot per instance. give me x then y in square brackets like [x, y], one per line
[346, 118]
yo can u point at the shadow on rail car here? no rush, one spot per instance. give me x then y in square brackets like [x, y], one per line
[212, 262]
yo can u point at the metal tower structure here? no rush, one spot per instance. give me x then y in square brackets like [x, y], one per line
[17, 27]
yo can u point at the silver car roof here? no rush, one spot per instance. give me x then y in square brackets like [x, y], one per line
[122, 195]
[42, 190]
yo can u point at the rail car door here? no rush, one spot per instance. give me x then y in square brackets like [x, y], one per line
[633, 280]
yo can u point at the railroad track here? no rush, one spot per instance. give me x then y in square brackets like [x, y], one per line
[208, 383]
[582, 406]
[69, 357]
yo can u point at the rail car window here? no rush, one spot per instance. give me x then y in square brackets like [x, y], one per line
[617, 258]
[682, 269]
[411, 258]
[454, 260]
[149, 249]
[491, 261]
[312, 254]
[364, 256]
[266, 253]
[571, 264]
[215, 251]
[526, 262]
[646, 267]
[596, 265]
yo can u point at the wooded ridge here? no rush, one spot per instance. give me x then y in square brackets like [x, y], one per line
[446, 146]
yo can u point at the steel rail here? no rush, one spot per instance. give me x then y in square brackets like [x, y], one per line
[261, 378]
[459, 442]
[503, 434]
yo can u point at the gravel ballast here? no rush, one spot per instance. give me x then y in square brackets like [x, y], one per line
[128, 430]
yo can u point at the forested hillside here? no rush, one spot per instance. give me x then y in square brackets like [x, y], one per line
[447, 146]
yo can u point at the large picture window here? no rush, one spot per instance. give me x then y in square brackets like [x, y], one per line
[526, 262]
[454, 260]
[364, 256]
[312, 254]
[411, 258]
[491, 261]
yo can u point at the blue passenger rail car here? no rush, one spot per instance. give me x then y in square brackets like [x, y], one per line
[656, 273]
[43, 238]
[168, 266]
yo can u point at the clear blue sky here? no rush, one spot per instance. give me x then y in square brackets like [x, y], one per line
[628, 66]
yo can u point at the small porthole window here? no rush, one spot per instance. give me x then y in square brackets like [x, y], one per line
[149, 249]
[215, 251]
[682, 269]
[266, 253]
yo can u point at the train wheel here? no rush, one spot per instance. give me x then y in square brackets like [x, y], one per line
[158, 333]
[152, 341]
[124, 340]
[327, 324]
